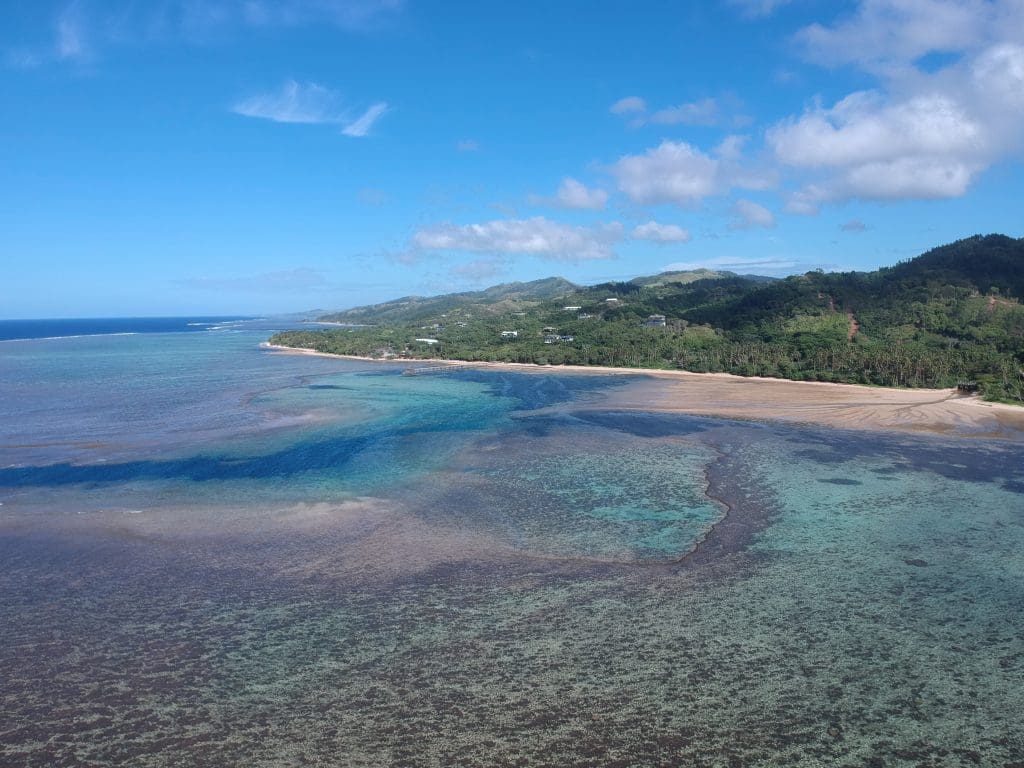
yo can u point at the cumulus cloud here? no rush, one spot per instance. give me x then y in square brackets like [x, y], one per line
[926, 132]
[628, 105]
[747, 214]
[661, 233]
[926, 146]
[361, 126]
[311, 104]
[864, 128]
[573, 194]
[537, 236]
[678, 173]
[672, 172]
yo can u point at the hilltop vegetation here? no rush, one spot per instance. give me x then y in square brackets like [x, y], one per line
[951, 315]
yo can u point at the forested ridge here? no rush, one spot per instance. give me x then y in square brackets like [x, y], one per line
[950, 316]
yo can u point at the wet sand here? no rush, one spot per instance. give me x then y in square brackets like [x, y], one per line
[846, 406]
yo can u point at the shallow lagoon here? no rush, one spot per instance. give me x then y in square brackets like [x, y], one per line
[272, 560]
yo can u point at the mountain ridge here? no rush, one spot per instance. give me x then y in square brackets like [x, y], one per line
[950, 316]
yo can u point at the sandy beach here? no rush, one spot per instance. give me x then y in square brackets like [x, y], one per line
[846, 406]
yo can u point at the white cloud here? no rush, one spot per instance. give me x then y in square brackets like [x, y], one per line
[85, 27]
[747, 214]
[71, 41]
[759, 8]
[672, 172]
[928, 131]
[748, 266]
[628, 105]
[347, 14]
[286, 281]
[927, 146]
[998, 75]
[295, 103]
[661, 233]
[309, 104]
[884, 33]
[534, 237]
[864, 128]
[374, 197]
[362, 125]
[575, 195]
[705, 112]
[480, 270]
[680, 174]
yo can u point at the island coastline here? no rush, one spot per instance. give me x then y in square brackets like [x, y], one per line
[824, 404]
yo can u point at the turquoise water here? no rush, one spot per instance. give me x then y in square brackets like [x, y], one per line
[213, 555]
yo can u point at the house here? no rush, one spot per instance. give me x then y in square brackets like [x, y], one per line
[611, 301]
[584, 316]
[510, 334]
[426, 341]
[554, 338]
[654, 321]
[571, 309]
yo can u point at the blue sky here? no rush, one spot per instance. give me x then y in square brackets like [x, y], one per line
[259, 156]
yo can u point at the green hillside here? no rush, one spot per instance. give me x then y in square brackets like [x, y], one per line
[949, 316]
[496, 300]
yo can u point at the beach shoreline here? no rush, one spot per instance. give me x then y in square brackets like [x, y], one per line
[725, 395]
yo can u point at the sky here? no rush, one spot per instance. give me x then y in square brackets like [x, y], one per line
[175, 157]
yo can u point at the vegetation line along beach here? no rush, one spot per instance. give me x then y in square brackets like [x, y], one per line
[945, 319]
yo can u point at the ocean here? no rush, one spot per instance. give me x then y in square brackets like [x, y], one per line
[215, 554]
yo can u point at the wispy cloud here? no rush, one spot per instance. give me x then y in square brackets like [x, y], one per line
[733, 264]
[82, 29]
[374, 197]
[704, 112]
[628, 105]
[532, 237]
[747, 214]
[480, 270]
[347, 14]
[467, 145]
[757, 9]
[71, 35]
[853, 225]
[295, 103]
[362, 125]
[286, 281]
[310, 104]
